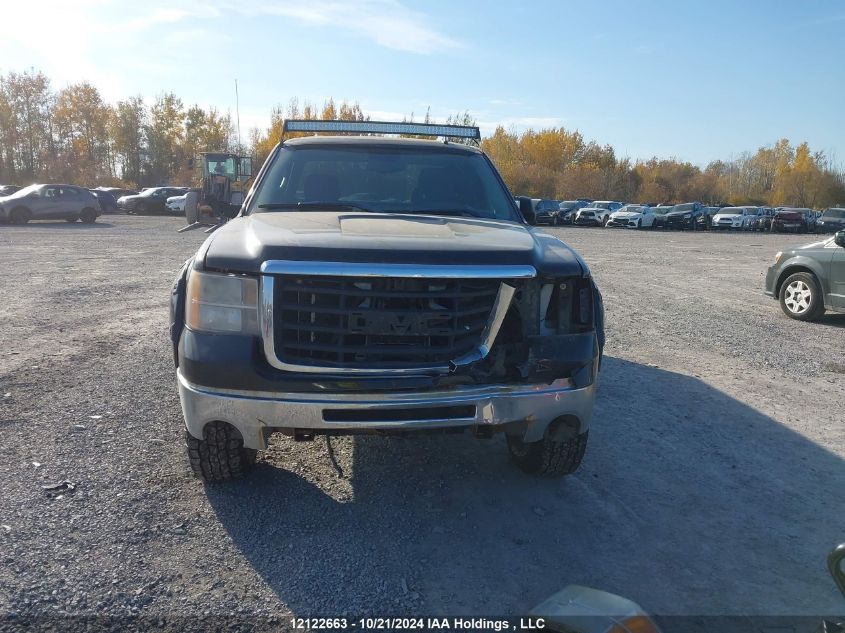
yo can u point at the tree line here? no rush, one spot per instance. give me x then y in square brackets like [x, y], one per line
[558, 163]
[72, 135]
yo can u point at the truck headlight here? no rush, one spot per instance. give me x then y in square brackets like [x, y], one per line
[221, 303]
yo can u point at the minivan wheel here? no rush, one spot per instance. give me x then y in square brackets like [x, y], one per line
[88, 216]
[19, 216]
[548, 458]
[220, 455]
[800, 297]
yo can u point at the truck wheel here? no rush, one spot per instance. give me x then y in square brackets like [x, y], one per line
[800, 297]
[88, 216]
[548, 458]
[220, 455]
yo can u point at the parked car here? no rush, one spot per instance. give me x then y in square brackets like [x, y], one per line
[150, 201]
[793, 219]
[633, 216]
[547, 212]
[733, 218]
[117, 192]
[831, 220]
[761, 221]
[108, 203]
[568, 209]
[8, 190]
[660, 211]
[176, 204]
[316, 311]
[596, 213]
[809, 279]
[683, 216]
[50, 202]
[704, 221]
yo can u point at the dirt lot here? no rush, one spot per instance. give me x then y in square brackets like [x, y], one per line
[712, 484]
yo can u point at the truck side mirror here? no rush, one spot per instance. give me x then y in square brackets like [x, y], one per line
[834, 560]
[246, 166]
[839, 239]
[527, 210]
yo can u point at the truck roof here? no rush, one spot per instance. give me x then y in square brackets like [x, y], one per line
[379, 141]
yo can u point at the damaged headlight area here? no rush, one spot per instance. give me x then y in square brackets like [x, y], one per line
[221, 303]
[566, 306]
[551, 331]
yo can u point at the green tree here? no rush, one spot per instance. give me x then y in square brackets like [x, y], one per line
[28, 101]
[82, 121]
[165, 134]
[127, 133]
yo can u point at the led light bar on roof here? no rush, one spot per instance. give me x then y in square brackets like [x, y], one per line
[382, 127]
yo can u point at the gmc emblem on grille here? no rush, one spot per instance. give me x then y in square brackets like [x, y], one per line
[397, 323]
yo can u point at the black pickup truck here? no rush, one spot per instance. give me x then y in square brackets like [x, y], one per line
[384, 285]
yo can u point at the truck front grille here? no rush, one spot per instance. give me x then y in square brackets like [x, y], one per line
[379, 322]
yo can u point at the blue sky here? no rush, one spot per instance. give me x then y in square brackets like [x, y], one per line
[693, 80]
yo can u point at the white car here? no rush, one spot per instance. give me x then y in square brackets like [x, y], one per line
[633, 216]
[733, 218]
[597, 213]
[176, 204]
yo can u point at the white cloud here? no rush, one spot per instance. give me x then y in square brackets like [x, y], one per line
[385, 22]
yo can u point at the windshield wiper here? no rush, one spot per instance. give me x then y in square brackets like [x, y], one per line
[307, 206]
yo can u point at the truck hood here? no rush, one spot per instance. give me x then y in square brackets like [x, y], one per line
[244, 243]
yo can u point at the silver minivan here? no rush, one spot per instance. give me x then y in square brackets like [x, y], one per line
[50, 202]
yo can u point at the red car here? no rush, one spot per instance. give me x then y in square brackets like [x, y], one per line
[792, 219]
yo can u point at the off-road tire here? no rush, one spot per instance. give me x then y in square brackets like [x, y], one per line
[88, 216]
[220, 455]
[19, 215]
[815, 309]
[548, 458]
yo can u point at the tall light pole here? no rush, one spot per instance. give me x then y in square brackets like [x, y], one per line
[238, 116]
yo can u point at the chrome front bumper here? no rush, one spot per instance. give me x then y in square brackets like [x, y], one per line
[257, 414]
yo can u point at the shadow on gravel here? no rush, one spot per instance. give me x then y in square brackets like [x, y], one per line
[833, 319]
[79, 226]
[688, 502]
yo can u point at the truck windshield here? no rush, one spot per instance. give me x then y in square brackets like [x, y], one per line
[384, 179]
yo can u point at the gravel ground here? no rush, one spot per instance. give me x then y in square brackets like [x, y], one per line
[709, 486]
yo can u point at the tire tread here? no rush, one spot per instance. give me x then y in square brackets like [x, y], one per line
[220, 455]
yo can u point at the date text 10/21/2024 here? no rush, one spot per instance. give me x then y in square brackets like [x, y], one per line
[418, 624]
